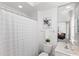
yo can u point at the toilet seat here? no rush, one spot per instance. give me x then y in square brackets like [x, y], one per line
[43, 54]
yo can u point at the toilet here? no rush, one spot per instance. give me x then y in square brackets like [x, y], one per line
[46, 50]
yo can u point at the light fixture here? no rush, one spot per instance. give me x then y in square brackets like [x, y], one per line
[20, 6]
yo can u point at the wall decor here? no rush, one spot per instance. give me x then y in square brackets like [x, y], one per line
[47, 22]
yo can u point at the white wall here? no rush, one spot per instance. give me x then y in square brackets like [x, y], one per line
[62, 27]
[18, 35]
[76, 14]
[72, 23]
[51, 13]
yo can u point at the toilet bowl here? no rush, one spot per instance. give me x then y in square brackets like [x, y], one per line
[43, 54]
[46, 50]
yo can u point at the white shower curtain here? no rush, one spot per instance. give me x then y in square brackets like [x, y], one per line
[18, 35]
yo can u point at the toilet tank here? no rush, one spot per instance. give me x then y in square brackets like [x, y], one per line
[47, 48]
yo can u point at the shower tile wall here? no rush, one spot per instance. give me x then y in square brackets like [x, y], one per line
[18, 35]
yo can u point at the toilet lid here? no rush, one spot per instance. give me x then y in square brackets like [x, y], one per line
[43, 54]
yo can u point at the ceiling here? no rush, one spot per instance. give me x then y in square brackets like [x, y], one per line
[26, 7]
[46, 5]
[22, 7]
[31, 8]
[33, 5]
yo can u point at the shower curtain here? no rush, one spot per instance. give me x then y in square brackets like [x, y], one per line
[18, 35]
